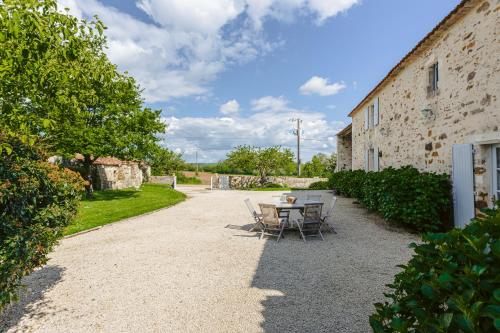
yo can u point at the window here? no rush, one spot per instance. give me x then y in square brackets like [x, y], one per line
[496, 172]
[371, 159]
[433, 79]
[371, 115]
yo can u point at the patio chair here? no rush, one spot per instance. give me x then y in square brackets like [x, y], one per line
[272, 224]
[310, 225]
[329, 215]
[256, 216]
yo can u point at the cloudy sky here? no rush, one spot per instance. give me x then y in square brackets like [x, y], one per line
[232, 72]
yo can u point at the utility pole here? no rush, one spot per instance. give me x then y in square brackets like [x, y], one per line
[196, 158]
[297, 133]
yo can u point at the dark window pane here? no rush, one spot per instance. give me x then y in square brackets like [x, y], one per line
[498, 157]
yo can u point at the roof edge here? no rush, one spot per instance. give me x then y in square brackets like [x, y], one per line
[459, 11]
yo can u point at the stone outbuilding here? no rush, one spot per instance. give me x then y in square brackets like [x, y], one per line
[113, 174]
[438, 110]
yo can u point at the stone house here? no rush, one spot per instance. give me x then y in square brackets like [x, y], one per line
[438, 110]
[110, 173]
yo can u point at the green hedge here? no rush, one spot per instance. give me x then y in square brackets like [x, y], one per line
[37, 200]
[452, 284]
[421, 201]
[321, 185]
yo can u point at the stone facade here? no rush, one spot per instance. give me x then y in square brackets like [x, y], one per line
[242, 181]
[418, 127]
[344, 149]
[113, 174]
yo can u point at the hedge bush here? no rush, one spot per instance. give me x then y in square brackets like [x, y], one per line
[321, 185]
[37, 200]
[420, 201]
[452, 284]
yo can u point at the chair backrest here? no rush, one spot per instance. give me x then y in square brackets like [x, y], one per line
[250, 207]
[332, 207]
[314, 197]
[312, 213]
[269, 214]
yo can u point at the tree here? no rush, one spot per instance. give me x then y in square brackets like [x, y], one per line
[166, 162]
[264, 161]
[57, 83]
[321, 165]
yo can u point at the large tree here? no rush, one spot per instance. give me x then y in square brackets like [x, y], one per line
[56, 82]
[321, 165]
[263, 161]
[166, 162]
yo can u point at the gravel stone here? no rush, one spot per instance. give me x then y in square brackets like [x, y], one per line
[182, 269]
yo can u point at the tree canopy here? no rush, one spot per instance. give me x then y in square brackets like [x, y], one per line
[166, 162]
[57, 83]
[321, 165]
[264, 161]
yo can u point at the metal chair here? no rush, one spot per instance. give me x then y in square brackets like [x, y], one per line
[310, 225]
[329, 215]
[256, 216]
[272, 224]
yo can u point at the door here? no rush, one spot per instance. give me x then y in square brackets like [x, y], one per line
[496, 172]
[463, 184]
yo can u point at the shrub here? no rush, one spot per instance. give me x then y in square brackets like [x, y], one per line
[320, 186]
[421, 201]
[450, 285]
[37, 200]
[182, 179]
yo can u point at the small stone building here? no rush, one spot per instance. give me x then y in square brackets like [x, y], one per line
[438, 109]
[113, 174]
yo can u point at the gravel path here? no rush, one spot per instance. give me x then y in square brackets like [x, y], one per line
[182, 269]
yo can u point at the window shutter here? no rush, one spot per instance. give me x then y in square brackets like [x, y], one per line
[366, 160]
[375, 112]
[366, 118]
[375, 160]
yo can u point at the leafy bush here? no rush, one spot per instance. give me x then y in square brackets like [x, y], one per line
[182, 179]
[320, 186]
[37, 200]
[348, 183]
[452, 284]
[421, 201]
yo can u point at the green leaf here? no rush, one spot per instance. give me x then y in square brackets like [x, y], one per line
[496, 294]
[492, 311]
[427, 291]
[465, 323]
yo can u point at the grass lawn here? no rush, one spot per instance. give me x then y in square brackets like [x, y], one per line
[111, 206]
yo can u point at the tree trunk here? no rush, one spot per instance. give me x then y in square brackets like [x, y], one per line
[87, 167]
[263, 178]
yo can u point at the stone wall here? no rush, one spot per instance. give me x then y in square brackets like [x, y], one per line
[464, 108]
[169, 180]
[344, 153]
[242, 181]
[115, 177]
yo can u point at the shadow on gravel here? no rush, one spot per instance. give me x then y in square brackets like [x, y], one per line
[320, 286]
[31, 298]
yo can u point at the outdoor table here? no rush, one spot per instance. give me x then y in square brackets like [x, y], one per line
[298, 205]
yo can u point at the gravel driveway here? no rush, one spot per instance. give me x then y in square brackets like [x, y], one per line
[192, 268]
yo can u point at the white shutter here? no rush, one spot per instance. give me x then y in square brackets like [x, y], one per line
[366, 118]
[366, 160]
[375, 160]
[463, 184]
[375, 112]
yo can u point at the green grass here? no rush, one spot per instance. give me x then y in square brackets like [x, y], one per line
[111, 206]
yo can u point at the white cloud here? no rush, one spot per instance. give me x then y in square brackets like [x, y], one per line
[231, 107]
[321, 86]
[188, 43]
[270, 125]
[270, 103]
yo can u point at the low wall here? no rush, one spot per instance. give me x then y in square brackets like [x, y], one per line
[170, 180]
[242, 181]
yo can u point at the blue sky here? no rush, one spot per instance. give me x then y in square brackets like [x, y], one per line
[230, 72]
